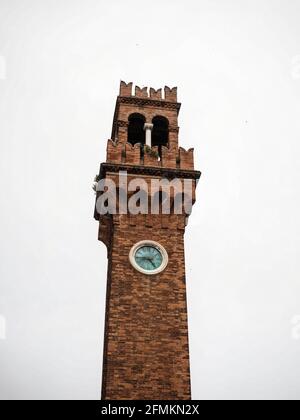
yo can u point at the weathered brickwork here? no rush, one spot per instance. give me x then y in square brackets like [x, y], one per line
[146, 351]
[118, 152]
[146, 355]
[176, 188]
[186, 158]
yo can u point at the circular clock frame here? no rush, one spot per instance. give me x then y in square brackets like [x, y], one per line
[153, 244]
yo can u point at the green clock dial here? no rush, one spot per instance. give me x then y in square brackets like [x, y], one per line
[148, 258]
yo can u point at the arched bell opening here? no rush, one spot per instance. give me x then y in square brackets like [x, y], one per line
[160, 132]
[136, 132]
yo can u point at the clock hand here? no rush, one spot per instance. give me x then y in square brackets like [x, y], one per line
[151, 261]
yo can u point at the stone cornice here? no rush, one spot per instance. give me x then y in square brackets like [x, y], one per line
[133, 100]
[168, 173]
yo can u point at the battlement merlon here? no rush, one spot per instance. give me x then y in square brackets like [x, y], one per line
[150, 93]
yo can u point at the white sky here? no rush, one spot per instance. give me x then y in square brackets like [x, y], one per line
[237, 67]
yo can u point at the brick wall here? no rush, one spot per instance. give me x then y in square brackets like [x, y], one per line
[146, 353]
[171, 157]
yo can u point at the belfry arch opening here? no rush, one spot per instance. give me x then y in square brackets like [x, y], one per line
[136, 132]
[160, 133]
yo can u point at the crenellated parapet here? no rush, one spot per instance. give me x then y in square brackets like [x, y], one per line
[126, 89]
[169, 157]
[186, 158]
[173, 158]
[170, 94]
[141, 92]
[132, 154]
[115, 152]
[151, 156]
[156, 94]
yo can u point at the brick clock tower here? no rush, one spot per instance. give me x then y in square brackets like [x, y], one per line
[146, 348]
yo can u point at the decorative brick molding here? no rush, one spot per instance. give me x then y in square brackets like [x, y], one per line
[122, 124]
[145, 101]
[168, 173]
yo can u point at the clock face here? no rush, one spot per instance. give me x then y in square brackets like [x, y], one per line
[148, 257]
